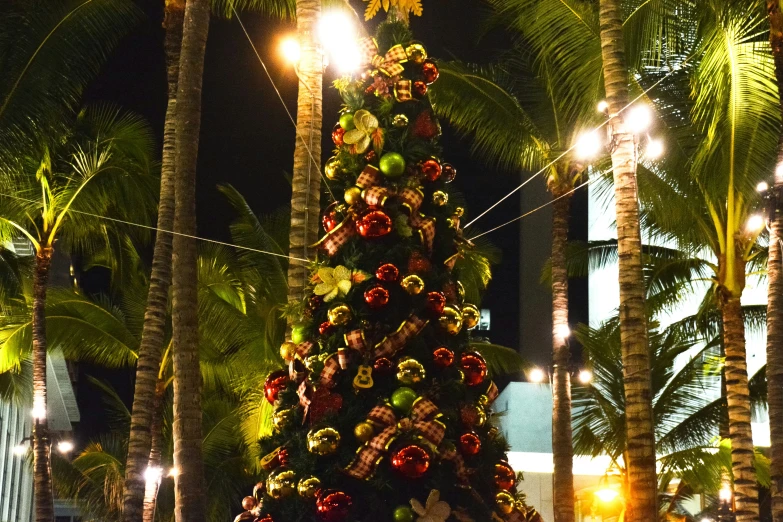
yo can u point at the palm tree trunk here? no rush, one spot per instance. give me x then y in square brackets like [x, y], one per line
[156, 448]
[738, 400]
[775, 292]
[562, 445]
[153, 331]
[306, 185]
[642, 504]
[42, 444]
[189, 503]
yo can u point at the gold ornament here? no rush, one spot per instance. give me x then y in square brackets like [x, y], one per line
[364, 431]
[400, 120]
[505, 502]
[451, 223]
[451, 320]
[460, 291]
[281, 484]
[459, 211]
[340, 315]
[440, 198]
[410, 371]
[332, 168]
[282, 418]
[352, 195]
[412, 284]
[416, 53]
[308, 486]
[483, 401]
[323, 442]
[310, 361]
[470, 316]
[288, 351]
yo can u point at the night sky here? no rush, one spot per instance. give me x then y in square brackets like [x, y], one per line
[247, 140]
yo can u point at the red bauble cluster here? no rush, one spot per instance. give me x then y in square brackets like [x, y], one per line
[274, 384]
[283, 456]
[376, 297]
[429, 71]
[410, 461]
[325, 328]
[374, 223]
[474, 367]
[383, 366]
[469, 444]
[332, 505]
[443, 357]
[419, 89]
[387, 273]
[448, 172]
[430, 169]
[436, 302]
[265, 518]
[330, 218]
[505, 478]
[337, 135]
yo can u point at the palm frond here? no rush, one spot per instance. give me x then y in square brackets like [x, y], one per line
[500, 359]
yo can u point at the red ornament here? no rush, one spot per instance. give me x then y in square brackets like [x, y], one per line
[370, 156]
[410, 461]
[505, 478]
[448, 172]
[331, 217]
[429, 71]
[469, 443]
[431, 169]
[337, 135]
[418, 264]
[276, 382]
[383, 366]
[419, 89]
[332, 505]
[325, 328]
[436, 302]
[443, 357]
[249, 503]
[376, 297]
[388, 273]
[374, 223]
[265, 518]
[474, 367]
[426, 126]
[324, 403]
[283, 456]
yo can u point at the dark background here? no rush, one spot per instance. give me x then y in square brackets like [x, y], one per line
[247, 140]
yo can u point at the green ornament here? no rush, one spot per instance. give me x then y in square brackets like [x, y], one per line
[403, 514]
[298, 334]
[346, 121]
[402, 399]
[392, 164]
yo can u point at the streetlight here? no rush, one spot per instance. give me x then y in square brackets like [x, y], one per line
[338, 36]
[638, 118]
[725, 512]
[654, 149]
[20, 449]
[65, 446]
[291, 50]
[603, 106]
[588, 145]
[563, 331]
[585, 376]
[536, 375]
[763, 186]
[755, 223]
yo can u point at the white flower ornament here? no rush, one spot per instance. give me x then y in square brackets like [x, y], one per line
[362, 136]
[436, 510]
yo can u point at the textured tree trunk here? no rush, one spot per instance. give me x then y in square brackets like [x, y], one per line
[562, 445]
[305, 197]
[738, 400]
[642, 504]
[153, 332]
[189, 493]
[42, 444]
[156, 448]
[775, 292]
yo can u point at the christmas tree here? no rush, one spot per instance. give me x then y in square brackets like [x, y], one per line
[381, 410]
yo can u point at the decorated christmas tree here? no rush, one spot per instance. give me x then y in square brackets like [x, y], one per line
[380, 413]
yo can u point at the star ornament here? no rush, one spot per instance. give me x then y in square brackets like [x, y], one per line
[336, 282]
[436, 510]
[365, 133]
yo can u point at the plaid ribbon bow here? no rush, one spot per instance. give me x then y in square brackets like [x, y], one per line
[423, 419]
[389, 64]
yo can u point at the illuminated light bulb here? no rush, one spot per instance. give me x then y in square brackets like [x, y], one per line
[39, 408]
[638, 118]
[725, 494]
[347, 58]
[779, 171]
[607, 494]
[153, 474]
[20, 449]
[585, 376]
[588, 145]
[654, 149]
[602, 106]
[291, 50]
[763, 186]
[755, 223]
[536, 375]
[65, 446]
[335, 29]
[563, 331]
[173, 472]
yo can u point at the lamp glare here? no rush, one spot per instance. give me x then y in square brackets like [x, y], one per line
[638, 118]
[755, 223]
[588, 145]
[153, 474]
[654, 149]
[602, 106]
[291, 50]
[65, 446]
[20, 449]
[585, 376]
[607, 494]
[536, 375]
[763, 186]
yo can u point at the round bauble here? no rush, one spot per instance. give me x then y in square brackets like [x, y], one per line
[363, 431]
[429, 71]
[333, 505]
[337, 135]
[352, 195]
[442, 357]
[474, 367]
[416, 53]
[403, 398]
[419, 89]
[249, 503]
[440, 198]
[472, 415]
[469, 444]
[470, 316]
[374, 223]
[258, 491]
[346, 121]
[281, 483]
[483, 401]
[325, 328]
[436, 303]
[387, 273]
[332, 168]
[504, 502]
[282, 418]
[340, 315]
[274, 384]
[412, 284]
[299, 333]
[451, 320]
[324, 441]
[392, 164]
[283, 457]
[403, 514]
[459, 212]
[400, 120]
[288, 351]
[448, 172]
[383, 366]
[307, 487]
[430, 169]
[410, 461]
[376, 297]
[505, 478]
[410, 372]
[331, 217]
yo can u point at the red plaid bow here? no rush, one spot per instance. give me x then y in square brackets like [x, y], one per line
[423, 419]
[389, 64]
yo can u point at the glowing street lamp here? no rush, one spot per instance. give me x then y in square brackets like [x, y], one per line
[20, 449]
[603, 106]
[755, 223]
[588, 145]
[654, 149]
[585, 376]
[39, 408]
[291, 50]
[338, 36]
[65, 446]
[638, 118]
[536, 375]
[763, 186]
[563, 331]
